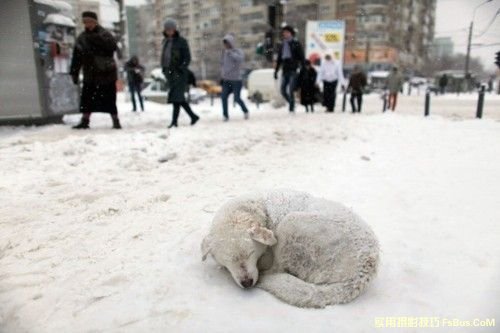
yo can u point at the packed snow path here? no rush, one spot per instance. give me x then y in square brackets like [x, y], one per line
[100, 230]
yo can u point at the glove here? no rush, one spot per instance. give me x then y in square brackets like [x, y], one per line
[275, 75]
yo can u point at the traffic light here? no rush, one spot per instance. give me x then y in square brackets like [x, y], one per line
[497, 59]
[269, 45]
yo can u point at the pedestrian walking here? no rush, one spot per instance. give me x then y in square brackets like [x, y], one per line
[232, 81]
[394, 85]
[93, 54]
[357, 84]
[330, 73]
[443, 82]
[306, 82]
[175, 59]
[490, 83]
[135, 78]
[290, 58]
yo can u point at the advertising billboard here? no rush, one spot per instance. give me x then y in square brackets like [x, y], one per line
[325, 37]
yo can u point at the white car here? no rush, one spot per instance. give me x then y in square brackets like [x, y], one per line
[261, 81]
[157, 90]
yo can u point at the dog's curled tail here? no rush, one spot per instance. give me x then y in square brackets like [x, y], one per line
[295, 291]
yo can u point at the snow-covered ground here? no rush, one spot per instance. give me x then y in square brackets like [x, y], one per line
[100, 230]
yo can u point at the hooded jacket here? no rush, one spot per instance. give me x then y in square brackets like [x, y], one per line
[231, 61]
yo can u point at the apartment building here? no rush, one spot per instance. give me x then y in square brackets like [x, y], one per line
[378, 32]
[383, 32]
[141, 32]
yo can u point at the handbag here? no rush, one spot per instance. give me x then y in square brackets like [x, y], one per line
[318, 96]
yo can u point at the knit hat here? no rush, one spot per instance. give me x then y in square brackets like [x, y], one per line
[289, 28]
[170, 24]
[89, 14]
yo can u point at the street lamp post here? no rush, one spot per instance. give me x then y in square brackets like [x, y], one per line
[467, 58]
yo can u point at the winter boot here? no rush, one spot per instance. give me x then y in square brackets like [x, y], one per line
[194, 120]
[84, 124]
[116, 123]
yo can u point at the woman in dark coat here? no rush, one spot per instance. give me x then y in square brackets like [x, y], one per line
[93, 53]
[307, 84]
[175, 59]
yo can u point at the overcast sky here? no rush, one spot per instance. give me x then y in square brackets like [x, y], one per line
[452, 19]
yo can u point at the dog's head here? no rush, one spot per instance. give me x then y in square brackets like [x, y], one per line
[238, 250]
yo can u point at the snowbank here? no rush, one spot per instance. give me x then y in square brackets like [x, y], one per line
[100, 229]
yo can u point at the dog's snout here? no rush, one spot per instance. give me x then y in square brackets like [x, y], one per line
[247, 283]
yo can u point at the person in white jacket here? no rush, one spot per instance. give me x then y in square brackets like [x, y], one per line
[330, 73]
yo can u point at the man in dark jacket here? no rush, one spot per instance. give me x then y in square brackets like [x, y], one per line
[175, 59]
[93, 52]
[290, 58]
[443, 82]
[357, 84]
[135, 78]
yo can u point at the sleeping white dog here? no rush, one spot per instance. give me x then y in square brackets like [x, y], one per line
[308, 252]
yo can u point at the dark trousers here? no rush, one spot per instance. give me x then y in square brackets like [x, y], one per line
[135, 88]
[309, 105]
[234, 87]
[356, 97]
[329, 94]
[177, 111]
[288, 83]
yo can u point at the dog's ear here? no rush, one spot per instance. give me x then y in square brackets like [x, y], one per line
[205, 248]
[262, 235]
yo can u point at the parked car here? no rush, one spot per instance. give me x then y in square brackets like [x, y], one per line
[157, 89]
[377, 80]
[261, 83]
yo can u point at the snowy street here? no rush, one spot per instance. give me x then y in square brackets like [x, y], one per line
[100, 230]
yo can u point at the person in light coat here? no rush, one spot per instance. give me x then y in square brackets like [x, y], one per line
[330, 73]
[394, 85]
[232, 82]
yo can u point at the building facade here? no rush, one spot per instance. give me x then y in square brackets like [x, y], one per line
[442, 47]
[141, 32]
[384, 32]
[379, 33]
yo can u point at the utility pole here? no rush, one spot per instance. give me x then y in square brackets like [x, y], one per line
[121, 26]
[467, 57]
